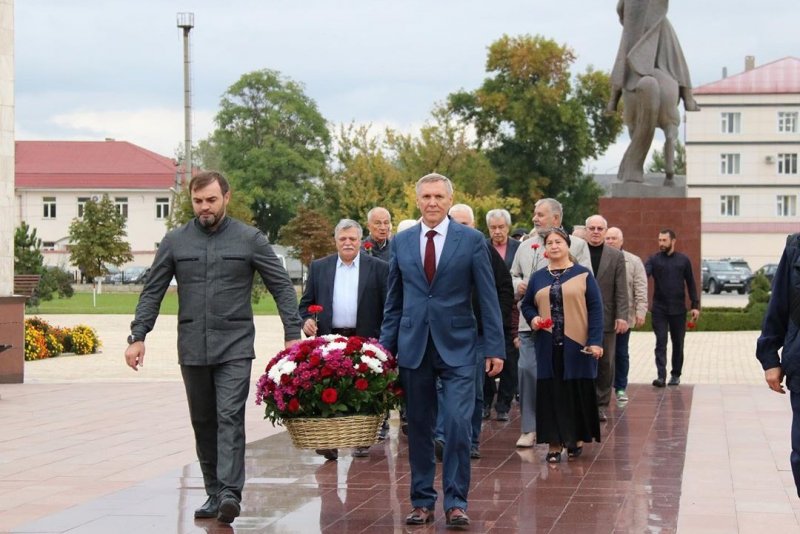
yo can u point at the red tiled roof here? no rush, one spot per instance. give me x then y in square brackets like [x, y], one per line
[91, 164]
[781, 76]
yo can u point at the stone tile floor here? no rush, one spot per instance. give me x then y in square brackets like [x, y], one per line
[88, 446]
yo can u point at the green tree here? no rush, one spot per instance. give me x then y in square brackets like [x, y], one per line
[444, 146]
[310, 234]
[538, 125]
[362, 176]
[272, 143]
[98, 239]
[657, 163]
[28, 257]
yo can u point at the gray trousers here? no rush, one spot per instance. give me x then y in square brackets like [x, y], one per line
[527, 381]
[217, 396]
[605, 369]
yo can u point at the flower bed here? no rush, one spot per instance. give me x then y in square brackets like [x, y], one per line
[42, 340]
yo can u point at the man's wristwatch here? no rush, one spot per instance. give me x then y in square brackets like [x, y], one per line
[133, 339]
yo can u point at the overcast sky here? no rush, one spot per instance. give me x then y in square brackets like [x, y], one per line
[90, 69]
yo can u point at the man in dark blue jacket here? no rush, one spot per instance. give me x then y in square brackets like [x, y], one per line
[782, 329]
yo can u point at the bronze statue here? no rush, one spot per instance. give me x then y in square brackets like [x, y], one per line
[651, 75]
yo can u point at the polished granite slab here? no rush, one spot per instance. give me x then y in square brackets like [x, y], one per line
[631, 482]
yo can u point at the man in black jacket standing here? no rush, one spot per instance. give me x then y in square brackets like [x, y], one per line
[351, 288]
[672, 277]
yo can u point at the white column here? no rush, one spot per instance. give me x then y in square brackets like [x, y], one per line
[6, 147]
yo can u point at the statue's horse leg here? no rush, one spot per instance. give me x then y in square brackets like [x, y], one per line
[641, 116]
[669, 119]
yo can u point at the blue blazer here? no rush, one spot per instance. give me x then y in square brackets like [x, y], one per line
[372, 274]
[442, 310]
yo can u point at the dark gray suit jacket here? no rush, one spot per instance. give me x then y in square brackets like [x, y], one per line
[612, 279]
[372, 279]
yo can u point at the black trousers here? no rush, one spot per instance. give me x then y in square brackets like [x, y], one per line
[217, 396]
[508, 381]
[676, 325]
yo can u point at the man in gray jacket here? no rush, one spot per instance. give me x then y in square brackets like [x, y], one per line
[213, 258]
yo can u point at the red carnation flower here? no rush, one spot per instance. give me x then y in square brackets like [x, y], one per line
[544, 323]
[362, 367]
[314, 360]
[367, 246]
[315, 308]
[691, 324]
[294, 405]
[535, 246]
[361, 384]
[285, 379]
[326, 371]
[329, 395]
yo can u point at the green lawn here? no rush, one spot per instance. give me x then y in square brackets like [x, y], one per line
[125, 303]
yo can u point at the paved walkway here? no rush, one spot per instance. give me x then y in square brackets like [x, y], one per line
[85, 431]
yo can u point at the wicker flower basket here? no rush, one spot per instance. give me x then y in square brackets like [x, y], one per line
[334, 432]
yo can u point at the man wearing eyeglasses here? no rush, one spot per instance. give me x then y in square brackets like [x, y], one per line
[608, 266]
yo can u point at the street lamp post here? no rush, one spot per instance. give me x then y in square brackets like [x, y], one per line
[186, 23]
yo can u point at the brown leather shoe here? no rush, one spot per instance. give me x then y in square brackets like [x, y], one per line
[419, 516]
[457, 518]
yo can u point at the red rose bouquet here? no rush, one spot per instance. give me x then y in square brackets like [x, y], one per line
[328, 376]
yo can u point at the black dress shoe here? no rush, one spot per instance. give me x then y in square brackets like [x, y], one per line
[659, 383]
[502, 416]
[329, 454]
[438, 449]
[209, 509]
[475, 453]
[361, 452]
[601, 415]
[674, 381]
[487, 413]
[384, 430]
[229, 510]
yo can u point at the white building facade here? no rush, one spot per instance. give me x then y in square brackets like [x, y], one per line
[54, 180]
[742, 153]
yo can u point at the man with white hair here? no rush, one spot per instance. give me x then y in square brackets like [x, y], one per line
[379, 223]
[463, 214]
[498, 221]
[637, 310]
[530, 257]
[608, 266]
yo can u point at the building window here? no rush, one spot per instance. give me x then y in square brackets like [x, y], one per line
[162, 208]
[729, 164]
[787, 122]
[729, 205]
[121, 204]
[731, 123]
[49, 207]
[48, 245]
[787, 206]
[82, 205]
[787, 163]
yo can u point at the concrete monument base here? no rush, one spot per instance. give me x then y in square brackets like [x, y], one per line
[12, 332]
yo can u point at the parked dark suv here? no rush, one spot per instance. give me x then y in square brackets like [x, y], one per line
[721, 276]
[744, 268]
[768, 270]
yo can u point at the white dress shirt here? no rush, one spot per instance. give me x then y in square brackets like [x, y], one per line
[438, 239]
[345, 294]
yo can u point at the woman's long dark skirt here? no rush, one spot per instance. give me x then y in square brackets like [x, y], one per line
[566, 410]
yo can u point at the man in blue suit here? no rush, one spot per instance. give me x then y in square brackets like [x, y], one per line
[429, 323]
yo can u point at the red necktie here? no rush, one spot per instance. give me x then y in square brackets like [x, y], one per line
[430, 256]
